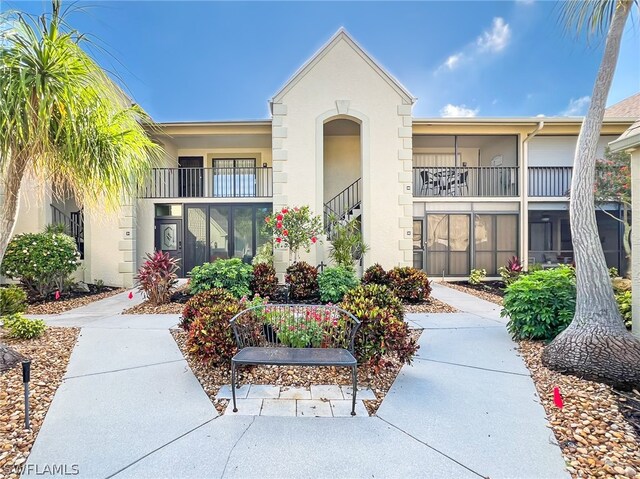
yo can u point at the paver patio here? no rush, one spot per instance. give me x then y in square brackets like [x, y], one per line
[466, 407]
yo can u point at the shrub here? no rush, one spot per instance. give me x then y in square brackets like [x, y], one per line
[201, 301]
[264, 254]
[335, 282]
[382, 330]
[512, 271]
[24, 328]
[624, 305]
[477, 276]
[540, 305]
[302, 279]
[210, 335]
[40, 261]
[230, 274]
[12, 300]
[157, 277]
[375, 275]
[347, 244]
[264, 281]
[613, 272]
[409, 284]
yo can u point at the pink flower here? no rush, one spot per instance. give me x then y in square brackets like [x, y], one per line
[279, 224]
[285, 211]
[314, 239]
[278, 240]
[285, 232]
[267, 219]
[279, 217]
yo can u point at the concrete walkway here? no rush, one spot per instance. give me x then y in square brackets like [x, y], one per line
[130, 407]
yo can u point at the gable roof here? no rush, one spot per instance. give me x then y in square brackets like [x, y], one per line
[342, 35]
[629, 139]
[627, 108]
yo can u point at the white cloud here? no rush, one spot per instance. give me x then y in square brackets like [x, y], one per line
[497, 38]
[453, 61]
[450, 110]
[577, 107]
[540, 115]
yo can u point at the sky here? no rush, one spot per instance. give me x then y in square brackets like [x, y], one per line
[199, 61]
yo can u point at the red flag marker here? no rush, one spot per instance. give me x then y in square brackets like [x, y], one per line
[130, 295]
[57, 295]
[557, 398]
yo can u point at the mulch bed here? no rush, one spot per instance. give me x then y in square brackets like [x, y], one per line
[69, 301]
[595, 437]
[432, 305]
[213, 377]
[490, 291]
[49, 356]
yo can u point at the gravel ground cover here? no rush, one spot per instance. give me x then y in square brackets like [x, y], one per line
[213, 377]
[66, 304]
[595, 437]
[49, 356]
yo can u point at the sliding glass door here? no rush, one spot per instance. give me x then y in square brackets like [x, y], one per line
[455, 243]
[223, 231]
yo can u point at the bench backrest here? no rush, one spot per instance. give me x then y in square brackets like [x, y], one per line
[295, 326]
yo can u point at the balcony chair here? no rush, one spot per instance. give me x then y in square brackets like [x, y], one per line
[456, 183]
[430, 182]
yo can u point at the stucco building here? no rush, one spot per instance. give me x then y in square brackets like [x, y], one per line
[442, 194]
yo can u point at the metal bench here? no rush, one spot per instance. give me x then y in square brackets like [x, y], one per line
[295, 335]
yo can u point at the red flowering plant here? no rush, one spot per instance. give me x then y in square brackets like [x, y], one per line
[294, 228]
[613, 185]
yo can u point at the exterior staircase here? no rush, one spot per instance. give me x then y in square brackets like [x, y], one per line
[344, 207]
[74, 225]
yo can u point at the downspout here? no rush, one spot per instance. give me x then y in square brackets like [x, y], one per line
[524, 197]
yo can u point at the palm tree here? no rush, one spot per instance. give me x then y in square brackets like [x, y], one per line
[63, 119]
[596, 345]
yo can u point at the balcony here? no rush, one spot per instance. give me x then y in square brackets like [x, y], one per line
[549, 181]
[238, 182]
[465, 181]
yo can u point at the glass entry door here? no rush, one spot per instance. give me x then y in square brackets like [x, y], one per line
[168, 239]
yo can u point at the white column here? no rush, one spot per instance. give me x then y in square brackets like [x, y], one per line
[635, 242]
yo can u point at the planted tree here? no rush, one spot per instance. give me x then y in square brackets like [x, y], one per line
[294, 228]
[596, 345]
[63, 119]
[613, 185]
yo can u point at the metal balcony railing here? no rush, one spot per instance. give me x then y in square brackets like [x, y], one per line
[549, 180]
[232, 182]
[467, 181]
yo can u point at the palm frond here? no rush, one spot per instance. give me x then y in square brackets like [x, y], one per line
[592, 16]
[66, 115]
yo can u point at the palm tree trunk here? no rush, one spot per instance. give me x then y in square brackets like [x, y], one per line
[596, 345]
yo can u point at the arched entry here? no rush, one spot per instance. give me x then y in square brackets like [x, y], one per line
[342, 168]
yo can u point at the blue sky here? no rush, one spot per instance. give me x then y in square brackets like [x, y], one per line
[197, 61]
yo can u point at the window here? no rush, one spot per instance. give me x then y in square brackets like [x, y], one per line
[234, 177]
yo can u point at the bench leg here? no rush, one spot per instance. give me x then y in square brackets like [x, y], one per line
[354, 391]
[233, 385]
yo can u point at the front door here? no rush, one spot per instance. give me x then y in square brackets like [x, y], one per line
[169, 239]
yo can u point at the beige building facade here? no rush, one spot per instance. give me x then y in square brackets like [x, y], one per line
[442, 194]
